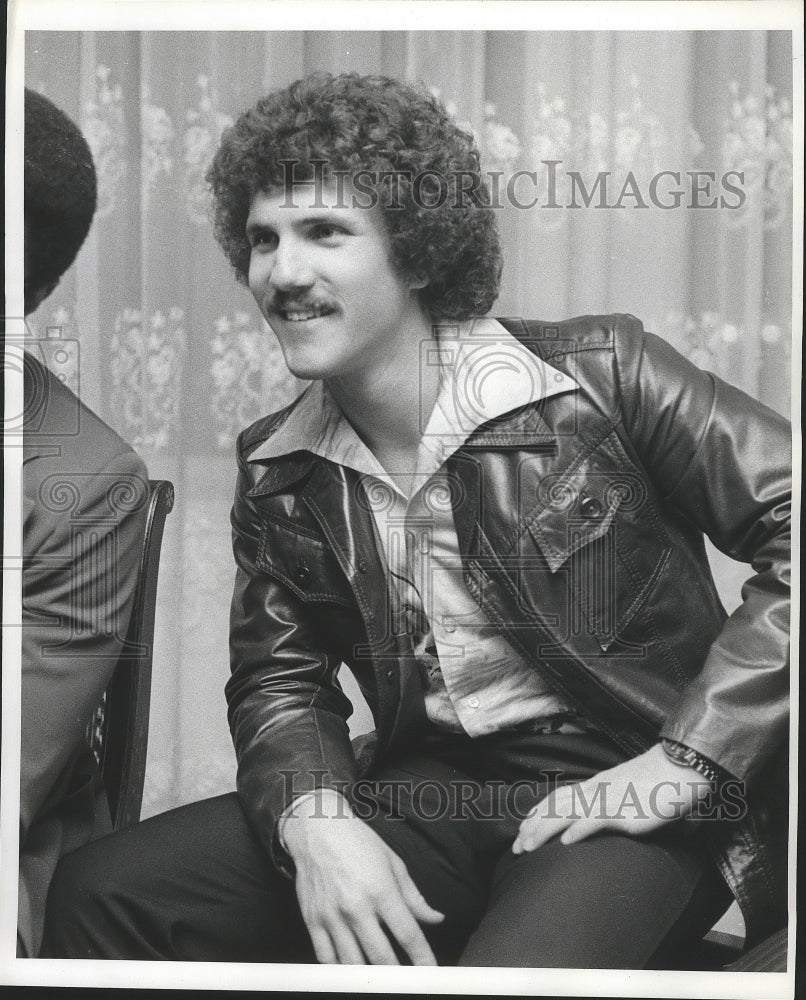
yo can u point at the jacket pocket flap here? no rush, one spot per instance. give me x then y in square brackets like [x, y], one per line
[306, 565]
[576, 509]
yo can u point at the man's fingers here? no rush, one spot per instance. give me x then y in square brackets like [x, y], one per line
[549, 818]
[538, 832]
[375, 943]
[322, 946]
[400, 915]
[407, 932]
[412, 895]
[348, 950]
[557, 805]
[359, 911]
[540, 828]
[583, 829]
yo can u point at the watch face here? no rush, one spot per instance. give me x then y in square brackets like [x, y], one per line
[679, 753]
[682, 754]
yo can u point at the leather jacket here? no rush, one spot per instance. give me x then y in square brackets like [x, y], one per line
[580, 521]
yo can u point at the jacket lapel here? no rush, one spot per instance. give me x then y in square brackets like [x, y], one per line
[478, 467]
[336, 498]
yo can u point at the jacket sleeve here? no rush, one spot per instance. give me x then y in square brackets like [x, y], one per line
[723, 460]
[79, 574]
[287, 712]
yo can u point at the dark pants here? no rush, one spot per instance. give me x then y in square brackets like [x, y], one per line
[195, 884]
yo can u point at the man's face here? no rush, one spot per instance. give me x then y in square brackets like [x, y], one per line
[325, 281]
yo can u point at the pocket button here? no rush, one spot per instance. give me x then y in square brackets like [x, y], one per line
[591, 507]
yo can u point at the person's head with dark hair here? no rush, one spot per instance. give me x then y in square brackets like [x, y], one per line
[60, 196]
[401, 148]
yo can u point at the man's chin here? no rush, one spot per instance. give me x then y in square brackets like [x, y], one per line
[307, 368]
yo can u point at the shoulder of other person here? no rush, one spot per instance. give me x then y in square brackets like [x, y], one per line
[58, 425]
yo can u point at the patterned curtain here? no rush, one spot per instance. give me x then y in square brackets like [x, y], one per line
[165, 346]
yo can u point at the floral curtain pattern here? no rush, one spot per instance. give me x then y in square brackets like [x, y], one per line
[164, 344]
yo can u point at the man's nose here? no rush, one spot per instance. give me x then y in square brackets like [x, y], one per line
[291, 268]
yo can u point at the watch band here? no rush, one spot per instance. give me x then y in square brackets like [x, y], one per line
[681, 754]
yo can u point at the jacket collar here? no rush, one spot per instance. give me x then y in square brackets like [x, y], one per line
[283, 473]
[489, 381]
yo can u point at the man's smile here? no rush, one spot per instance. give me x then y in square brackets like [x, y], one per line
[301, 312]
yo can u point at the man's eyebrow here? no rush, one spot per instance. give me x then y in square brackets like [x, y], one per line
[329, 216]
[323, 216]
[256, 226]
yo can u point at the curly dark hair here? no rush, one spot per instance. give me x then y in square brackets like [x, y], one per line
[60, 192]
[377, 125]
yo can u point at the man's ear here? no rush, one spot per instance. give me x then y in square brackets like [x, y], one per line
[34, 297]
[417, 281]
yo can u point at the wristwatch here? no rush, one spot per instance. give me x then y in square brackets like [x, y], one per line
[681, 754]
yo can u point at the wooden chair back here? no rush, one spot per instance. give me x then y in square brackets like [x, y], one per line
[119, 731]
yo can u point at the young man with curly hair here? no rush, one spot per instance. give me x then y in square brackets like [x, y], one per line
[497, 525]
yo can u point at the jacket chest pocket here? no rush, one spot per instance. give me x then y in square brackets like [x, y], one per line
[304, 563]
[603, 547]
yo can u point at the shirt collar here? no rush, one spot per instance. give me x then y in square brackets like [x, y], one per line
[316, 424]
[485, 372]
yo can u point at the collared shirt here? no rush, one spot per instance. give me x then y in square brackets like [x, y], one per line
[477, 682]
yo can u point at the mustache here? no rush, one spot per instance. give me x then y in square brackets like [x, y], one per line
[284, 301]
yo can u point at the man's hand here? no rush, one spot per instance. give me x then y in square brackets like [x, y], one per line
[353, 890]
[636, 797]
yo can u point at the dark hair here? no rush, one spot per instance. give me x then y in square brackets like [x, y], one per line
[60, 191]
[371, 124]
